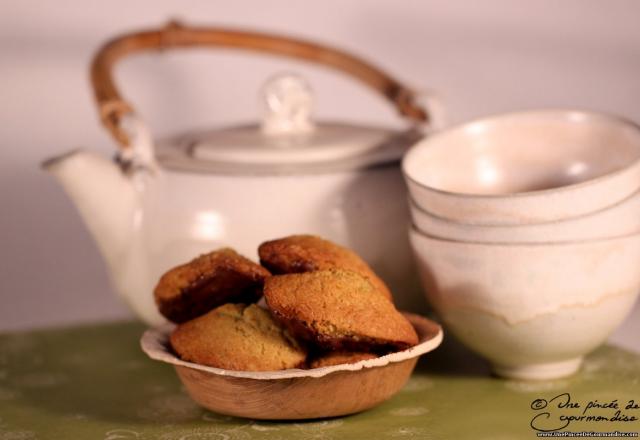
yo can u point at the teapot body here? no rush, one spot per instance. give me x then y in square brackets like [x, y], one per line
[183, 215]
[162, 204]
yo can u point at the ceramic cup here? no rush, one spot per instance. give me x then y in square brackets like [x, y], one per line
[533, 310]
[524, 168]
[622, 218]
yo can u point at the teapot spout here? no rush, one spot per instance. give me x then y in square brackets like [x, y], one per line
[105, 197]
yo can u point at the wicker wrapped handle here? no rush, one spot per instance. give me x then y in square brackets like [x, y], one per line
[112, 107]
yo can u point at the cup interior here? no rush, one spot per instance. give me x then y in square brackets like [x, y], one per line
[524, 152]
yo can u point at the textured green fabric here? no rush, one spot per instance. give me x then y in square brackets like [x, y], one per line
[93, 382]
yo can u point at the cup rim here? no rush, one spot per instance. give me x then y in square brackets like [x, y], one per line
[566, 113]
[415, 206]
[414, 230]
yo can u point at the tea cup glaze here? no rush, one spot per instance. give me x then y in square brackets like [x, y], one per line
[620, 219]
[523, 168]
[533, 310]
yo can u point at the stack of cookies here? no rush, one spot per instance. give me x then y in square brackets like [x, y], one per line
[324, 306]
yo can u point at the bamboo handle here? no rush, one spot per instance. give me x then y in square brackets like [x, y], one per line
[112, 106]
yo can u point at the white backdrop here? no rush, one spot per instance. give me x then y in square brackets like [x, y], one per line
[480, 57]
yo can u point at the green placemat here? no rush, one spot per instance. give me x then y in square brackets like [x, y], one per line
[93, 382]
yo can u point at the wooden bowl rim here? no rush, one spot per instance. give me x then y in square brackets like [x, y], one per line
[155, 343]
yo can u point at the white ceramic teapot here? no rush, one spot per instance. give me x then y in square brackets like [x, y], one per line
[162, 203]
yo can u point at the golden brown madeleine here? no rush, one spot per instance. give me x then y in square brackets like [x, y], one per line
[237, 337]
[340, 357]
[208, 281]
[307, 253]
[338, 309]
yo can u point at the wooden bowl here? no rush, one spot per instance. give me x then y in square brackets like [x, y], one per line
[296, 394]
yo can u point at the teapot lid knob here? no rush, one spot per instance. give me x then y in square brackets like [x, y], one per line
[288, 100]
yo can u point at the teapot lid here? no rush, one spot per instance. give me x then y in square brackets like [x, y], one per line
[287, 141]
